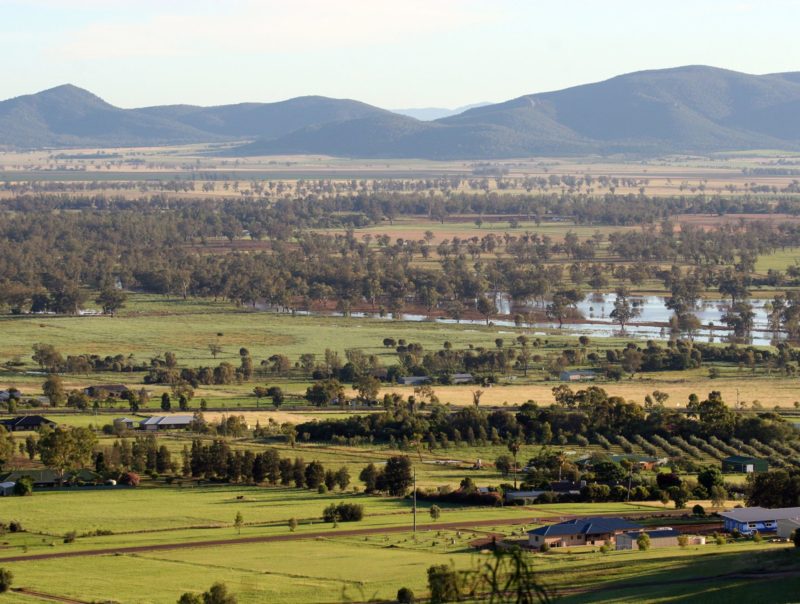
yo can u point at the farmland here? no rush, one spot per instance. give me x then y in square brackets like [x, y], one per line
[282, 302]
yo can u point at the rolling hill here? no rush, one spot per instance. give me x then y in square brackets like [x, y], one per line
[694, 109]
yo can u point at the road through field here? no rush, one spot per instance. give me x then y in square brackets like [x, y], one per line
[465, 526]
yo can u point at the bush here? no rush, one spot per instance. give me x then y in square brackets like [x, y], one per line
[322, 489]
[698, 510]
[544, 548]
[643, 542]
[344, 512]
[605, 548]
[70, 537]
[6, 578]
[23, 486]
[130, 478]
[15, 527]
[683, 540]
[405, 596]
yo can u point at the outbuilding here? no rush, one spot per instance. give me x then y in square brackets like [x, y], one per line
[578, 375]
[166, 422]
[744, 465]
[662, 537]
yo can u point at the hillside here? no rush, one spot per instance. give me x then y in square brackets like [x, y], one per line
[70, 116]
[692, 109]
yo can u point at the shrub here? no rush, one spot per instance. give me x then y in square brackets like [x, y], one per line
[643, 542]
[130, 478]
[6, 578]
[757, 537]
[292, 524]
[405, 596]
[23, 486]
[322, 489]
[15, 527]
[698, 510]
[605, 548]
[683, 540]
[70, 537]
[544, 548]
[344, 512]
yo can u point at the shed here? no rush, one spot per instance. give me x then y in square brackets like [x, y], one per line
[744, 465]
[124, 422]
[7, 488]
[414, 380]
[166, 422]
[662, 537]
[580, 375]
[105, 390]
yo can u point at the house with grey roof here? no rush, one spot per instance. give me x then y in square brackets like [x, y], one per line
[581, 531]
[763, 520]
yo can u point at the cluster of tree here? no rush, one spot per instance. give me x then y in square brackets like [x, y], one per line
[395, 478]
[47, 264]
[575, 415]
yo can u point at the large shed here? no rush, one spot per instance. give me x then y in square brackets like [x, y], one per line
[744, 464]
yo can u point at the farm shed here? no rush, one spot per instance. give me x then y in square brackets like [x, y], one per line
[763, 520]
[744, 465]
[166, 422]
[663, 537]
[7, 488]
[586, 531]
[579, 375]
[414, 380]
[104, 390]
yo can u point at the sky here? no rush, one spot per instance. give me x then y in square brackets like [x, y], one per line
[390, 53]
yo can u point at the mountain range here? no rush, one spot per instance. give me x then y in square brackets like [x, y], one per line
[694, 109]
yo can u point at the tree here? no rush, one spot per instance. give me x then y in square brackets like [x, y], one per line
[53, 389]
[314, 474]
[65, 449]
[47, 357]
[292, 524]
[217, 594]
[6, 580]
[325, 392]
[710, 477]
[624, 312]
[397, 475]
[504, 464]
[368, 387]
[369, 476]
[342, 477]
[513, 448]
[238, 522]
[486, 307]
[643, 542]
[277, 395]
[443, 584]
[718, 496]
[111, 299]
[6, 446]
[214, 349]
[166, 403]
[435, 511]
[405, 596]
[259, 392]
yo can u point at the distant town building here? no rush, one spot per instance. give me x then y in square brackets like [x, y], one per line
[744, 465]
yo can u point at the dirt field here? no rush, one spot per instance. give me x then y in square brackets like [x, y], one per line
[780, 392]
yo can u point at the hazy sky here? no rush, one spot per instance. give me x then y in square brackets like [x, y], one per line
[391, 53]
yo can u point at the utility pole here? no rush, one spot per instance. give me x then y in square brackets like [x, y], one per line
[415, 500]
